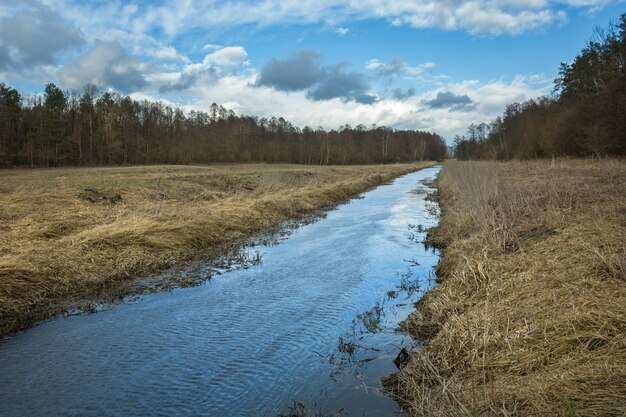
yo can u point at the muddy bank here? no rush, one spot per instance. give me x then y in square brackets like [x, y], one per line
[528, 317]
[75, 237]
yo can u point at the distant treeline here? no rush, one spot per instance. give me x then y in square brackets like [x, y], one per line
[586, 116]
[88, 129]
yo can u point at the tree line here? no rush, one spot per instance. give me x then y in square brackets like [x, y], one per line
[585, 116]
[91, 129]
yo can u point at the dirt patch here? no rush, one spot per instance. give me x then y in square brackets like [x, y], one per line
[94, 196]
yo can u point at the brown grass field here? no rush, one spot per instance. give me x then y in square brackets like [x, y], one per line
[529, 318]
[80, 233]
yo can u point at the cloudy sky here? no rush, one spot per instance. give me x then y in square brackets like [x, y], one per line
[434, 65]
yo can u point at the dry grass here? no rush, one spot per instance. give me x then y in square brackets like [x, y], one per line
[530, 316]
[72, 234]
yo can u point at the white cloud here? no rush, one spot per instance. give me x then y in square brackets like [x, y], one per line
[397, 67]
[205, 72]
[169, 53]
[229, 56]
[34, 35]
[587, 3]
[106, 64]
[478, 19]
[211, 46]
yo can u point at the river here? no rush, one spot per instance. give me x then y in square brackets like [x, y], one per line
[315, 322]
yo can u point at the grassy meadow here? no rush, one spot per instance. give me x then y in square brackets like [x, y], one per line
[529, 318]
[82, 233]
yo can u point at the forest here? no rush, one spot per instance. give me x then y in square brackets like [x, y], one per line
[91, 129]
[585, 115]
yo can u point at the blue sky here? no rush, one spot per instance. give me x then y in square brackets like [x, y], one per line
[434, 65]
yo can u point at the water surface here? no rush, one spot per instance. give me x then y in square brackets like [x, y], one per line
[251, 341]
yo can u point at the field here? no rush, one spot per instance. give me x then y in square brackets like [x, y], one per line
[529, 317]
[79, 234]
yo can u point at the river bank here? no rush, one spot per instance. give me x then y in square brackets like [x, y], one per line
[528, 317]
[85, 233]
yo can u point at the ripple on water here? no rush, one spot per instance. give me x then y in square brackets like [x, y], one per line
[247, 343]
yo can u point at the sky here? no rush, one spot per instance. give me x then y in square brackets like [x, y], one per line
[435, 65]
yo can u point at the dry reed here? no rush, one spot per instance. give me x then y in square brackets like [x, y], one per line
[529, 318]
[77, 234]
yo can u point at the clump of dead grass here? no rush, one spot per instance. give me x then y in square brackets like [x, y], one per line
[529, 318]
[75, 234]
